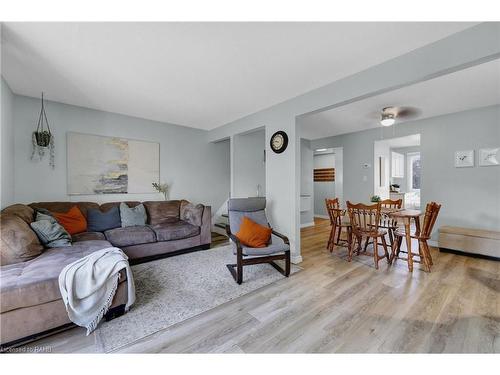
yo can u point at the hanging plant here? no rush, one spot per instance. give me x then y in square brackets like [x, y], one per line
[42, 138]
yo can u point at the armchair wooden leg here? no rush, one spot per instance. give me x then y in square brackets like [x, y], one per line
[239, 266]
[287, 263]
[234, 273]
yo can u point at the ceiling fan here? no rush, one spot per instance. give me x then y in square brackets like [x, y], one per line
[388, 115]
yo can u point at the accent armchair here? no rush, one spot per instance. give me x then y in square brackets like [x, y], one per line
[278, 247]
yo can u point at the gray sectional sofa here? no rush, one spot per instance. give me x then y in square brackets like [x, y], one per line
[30, 301]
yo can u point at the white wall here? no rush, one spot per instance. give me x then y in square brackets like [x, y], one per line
[458, 51]
[380, 188]
[7, 145]
[249, 167]
[196, 169]
[470, 196]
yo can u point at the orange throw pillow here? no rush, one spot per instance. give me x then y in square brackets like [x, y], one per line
[252, 234]
[73, 221]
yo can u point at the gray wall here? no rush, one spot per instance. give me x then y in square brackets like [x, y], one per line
[194, 168]
[323, 190]
[249, 166]
[306, 179]
[470, 196]
[7, 145]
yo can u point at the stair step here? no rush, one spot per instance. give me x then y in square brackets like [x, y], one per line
[220, 225]
[225, 215]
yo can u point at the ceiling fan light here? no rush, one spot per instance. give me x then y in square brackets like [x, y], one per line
[387, 119]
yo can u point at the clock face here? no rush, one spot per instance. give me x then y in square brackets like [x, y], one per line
[279, 142]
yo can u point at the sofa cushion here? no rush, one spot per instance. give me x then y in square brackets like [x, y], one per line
[18, 242]
[98, 221]
[64, 206]
[107, 206]
[175, 230]
[88, 236]
[21, 210]
[50, 232]
[130, 236]
[36, 281]
[132, 216]
[162, 211]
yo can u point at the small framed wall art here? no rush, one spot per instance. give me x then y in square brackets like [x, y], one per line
[489, 156]
[464, 159]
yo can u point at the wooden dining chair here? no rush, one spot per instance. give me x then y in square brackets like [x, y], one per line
[421, 234]
[386, 222]
[337, 222]
[365, 221]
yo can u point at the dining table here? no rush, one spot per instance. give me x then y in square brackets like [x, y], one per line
[406, 216]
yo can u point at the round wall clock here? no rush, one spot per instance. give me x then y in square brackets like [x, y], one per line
[279, 142]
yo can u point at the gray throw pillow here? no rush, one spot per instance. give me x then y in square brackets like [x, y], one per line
[98, 221]
[49, 231]
[132, 216]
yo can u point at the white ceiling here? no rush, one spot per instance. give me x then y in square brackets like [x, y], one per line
[201, 75]
[475, 87]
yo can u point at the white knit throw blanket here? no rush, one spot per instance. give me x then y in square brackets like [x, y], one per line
[88, 286]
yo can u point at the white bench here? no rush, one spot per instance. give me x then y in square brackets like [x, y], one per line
[467, 240]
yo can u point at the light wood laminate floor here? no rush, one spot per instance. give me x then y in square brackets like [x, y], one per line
[336, 306]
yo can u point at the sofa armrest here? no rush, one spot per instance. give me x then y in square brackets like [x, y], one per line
[282, 236]
[191, 213]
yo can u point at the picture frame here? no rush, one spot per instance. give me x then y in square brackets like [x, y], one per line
[489, 156]
[464, 159]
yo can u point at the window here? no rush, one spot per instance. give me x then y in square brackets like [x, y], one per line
[414, 171]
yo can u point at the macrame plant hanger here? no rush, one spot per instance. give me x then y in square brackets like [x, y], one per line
[42, 138]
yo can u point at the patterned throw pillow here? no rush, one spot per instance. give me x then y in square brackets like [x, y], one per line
[132, 216]
[49, 231]
[98, 221]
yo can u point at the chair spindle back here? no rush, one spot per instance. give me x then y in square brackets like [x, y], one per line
[364, 218]
[431, 214]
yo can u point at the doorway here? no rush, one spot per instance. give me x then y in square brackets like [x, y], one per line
[398, 170]
[323, 181]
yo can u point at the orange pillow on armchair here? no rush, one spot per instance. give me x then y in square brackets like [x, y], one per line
[73, 221]
[252, 234]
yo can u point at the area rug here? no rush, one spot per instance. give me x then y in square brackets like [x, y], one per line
[174, 289]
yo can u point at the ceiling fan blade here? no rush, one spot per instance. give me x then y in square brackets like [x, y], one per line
[408, 112]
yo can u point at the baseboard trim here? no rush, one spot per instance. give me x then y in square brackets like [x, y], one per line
[296, 259]
[464, 253]
[306, 225]
[322, 216]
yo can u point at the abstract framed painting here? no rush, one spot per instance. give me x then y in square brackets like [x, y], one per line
[489, 156]
[111, 165]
